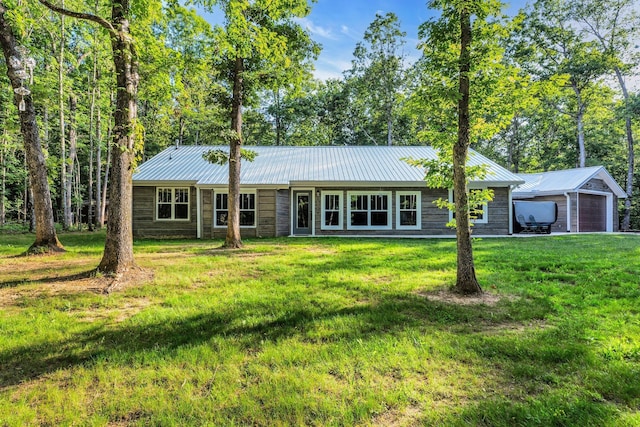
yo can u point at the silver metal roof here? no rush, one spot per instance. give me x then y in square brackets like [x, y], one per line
[569, 180]
[276, 165]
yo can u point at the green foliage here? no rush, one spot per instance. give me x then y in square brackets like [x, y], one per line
[324, 332]
[493, 79]
[221, 157]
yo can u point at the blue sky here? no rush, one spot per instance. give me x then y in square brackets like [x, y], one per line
[339, 24]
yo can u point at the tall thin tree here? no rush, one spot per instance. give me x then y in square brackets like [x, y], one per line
[46, 236]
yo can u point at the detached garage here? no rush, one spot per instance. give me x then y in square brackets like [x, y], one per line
[587, 198]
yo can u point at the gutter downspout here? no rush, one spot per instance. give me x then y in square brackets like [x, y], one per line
[198, 221]
[566, 194]
[510, 211]
[577, 212]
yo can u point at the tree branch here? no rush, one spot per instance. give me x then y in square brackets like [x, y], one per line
[79, 15]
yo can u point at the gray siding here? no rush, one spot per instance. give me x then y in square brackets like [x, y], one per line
[283, 215]
[144, 217]
[433, 218]
[561, 201]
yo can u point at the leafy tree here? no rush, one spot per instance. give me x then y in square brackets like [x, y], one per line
[377, 77]
[555, 48]
[615, 25]
[462, 95]
[17, 64]
[118, 251]
[258, 44]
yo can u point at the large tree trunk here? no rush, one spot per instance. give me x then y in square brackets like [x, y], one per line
[46, 237]
[233, 239]
[626, 218]
[118, 249]
[466, 281]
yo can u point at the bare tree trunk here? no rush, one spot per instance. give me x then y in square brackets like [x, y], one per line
[107, 170]
[65, 184]
[466, 281]
[582, 153]
[233, 239]
[626, 218]
[92, 104]
[99, 213]
[73, 151]
[46, 237]
[3, 186]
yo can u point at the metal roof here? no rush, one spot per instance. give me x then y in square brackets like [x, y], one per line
[559, 182]
[277, 165]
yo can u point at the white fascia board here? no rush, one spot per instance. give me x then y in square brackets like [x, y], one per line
[164, 183]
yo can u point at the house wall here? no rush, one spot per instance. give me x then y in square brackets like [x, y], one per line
[433, 218]
[596, 185]
[144, 214]
[273, 213]
[601, 186]
[266, 216]
[283, 213]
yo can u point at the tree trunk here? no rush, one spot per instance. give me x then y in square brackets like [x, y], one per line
[92, 95]
[3, 186]
[466, 281]
[65, 182]
[118, 249]
[99, 214]
[582, 153]
[626, 218]
[73, 151]
[46, 237]
[107, 170]
[233, 239]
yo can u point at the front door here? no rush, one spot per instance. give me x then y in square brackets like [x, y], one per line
[302, 210]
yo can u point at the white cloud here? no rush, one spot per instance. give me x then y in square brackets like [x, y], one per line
[317, 30]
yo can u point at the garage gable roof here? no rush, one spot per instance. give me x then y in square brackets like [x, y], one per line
[562, 181]
[277, 165]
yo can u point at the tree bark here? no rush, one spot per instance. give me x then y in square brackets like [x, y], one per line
[65, 181]
[73, 151]
[626, 217]
[118, 249]
[46, 237]
[466, 281]
[582, 153]
[233, 239]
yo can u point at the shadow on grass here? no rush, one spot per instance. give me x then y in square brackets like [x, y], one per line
[388, 314]
[51, 279]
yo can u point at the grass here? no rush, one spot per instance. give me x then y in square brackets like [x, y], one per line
[324, 332]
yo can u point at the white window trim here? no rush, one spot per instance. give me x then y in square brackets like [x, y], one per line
[340, 195]
[173, 204]
[255, 209]
[418, 195]
[370, 227]
[485, 209]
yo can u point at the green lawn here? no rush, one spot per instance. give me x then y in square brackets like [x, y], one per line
[324, 332]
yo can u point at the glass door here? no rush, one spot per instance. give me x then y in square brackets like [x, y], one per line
[303, 216]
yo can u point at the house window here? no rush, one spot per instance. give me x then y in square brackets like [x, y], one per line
[369, 210]
[408, 215]
[479, 214]
[172, 204]
[247, 210]
[331, 210]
